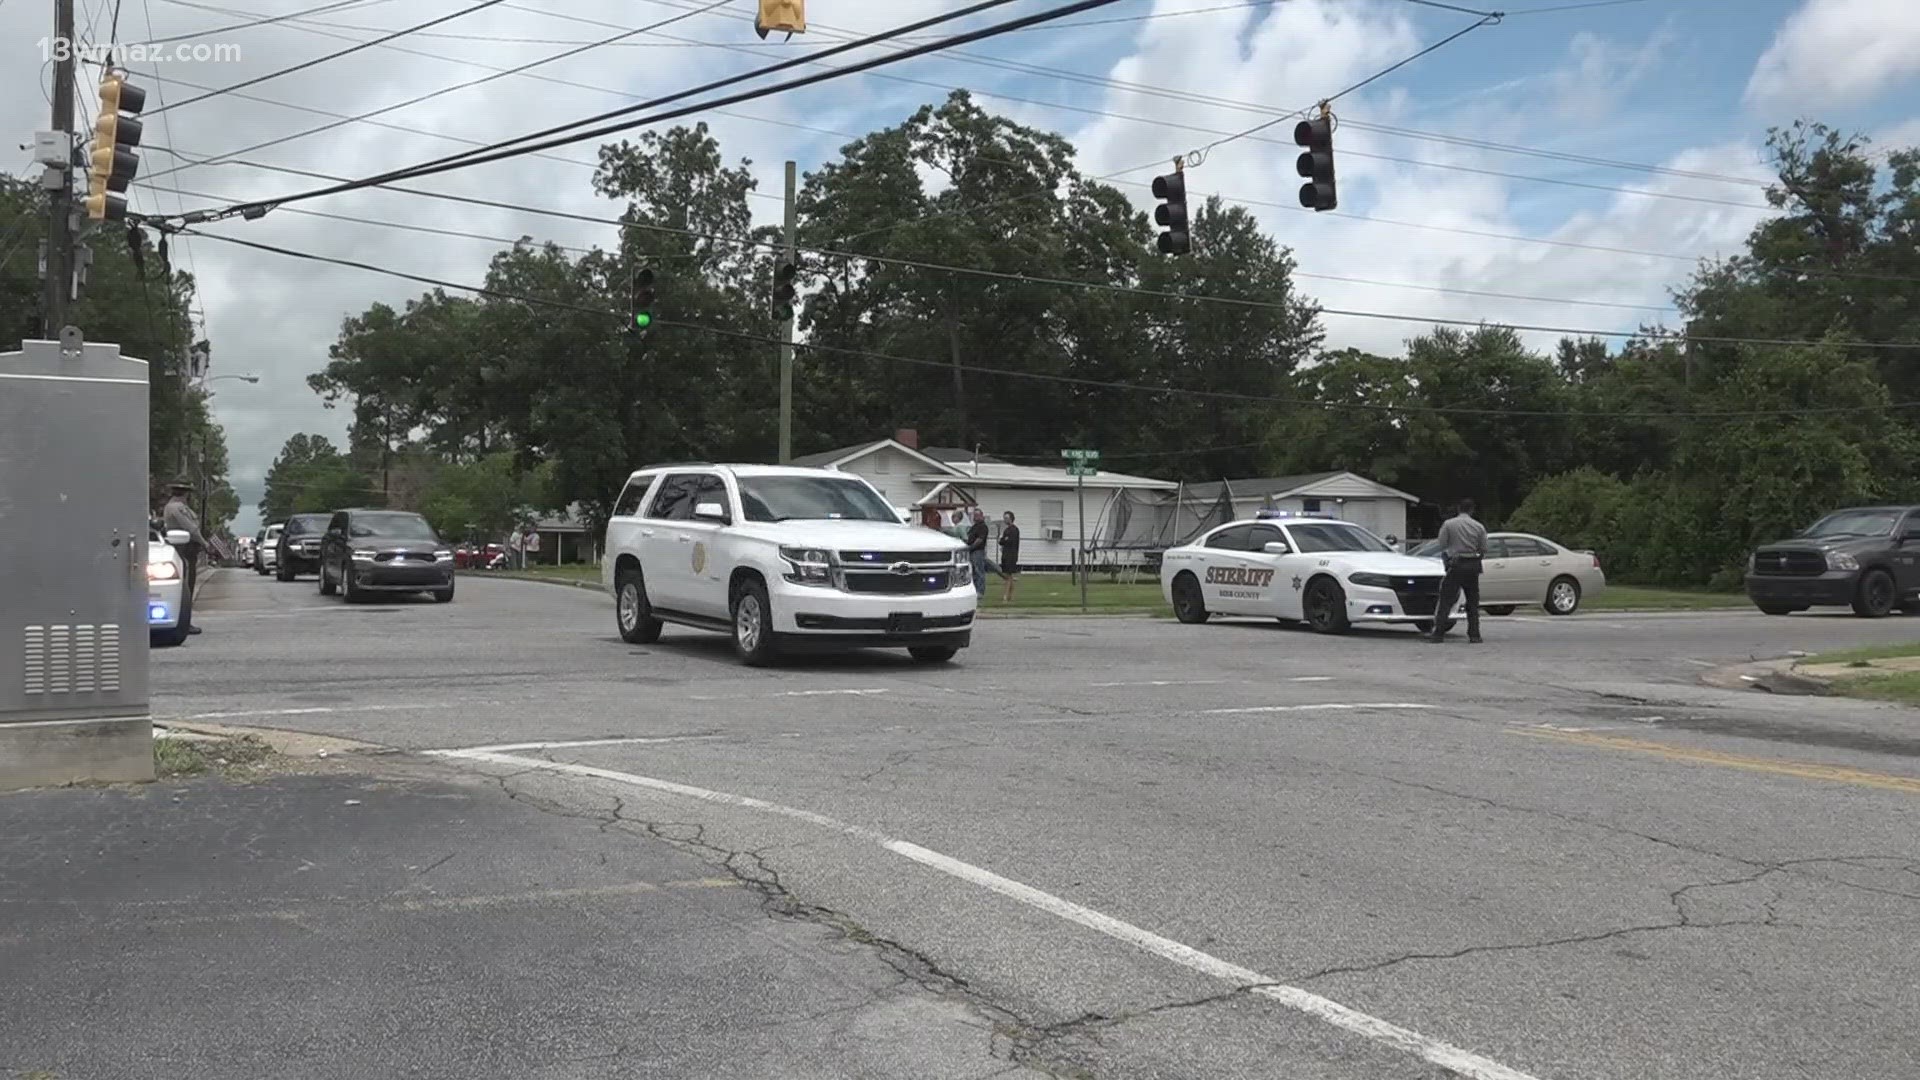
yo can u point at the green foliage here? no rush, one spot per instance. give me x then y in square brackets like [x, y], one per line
[1581, 509]
[312, 476]
[486, 499]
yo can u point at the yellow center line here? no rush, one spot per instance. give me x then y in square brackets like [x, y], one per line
[1804, 770]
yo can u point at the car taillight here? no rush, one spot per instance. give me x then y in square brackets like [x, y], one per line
[1596, 562]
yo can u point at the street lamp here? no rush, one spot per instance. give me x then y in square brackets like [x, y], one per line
[217, 378]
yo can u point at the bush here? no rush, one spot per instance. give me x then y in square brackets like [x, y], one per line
[1581, 509]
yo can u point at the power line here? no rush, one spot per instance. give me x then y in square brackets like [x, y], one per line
[166, 124]
[948, 365]
[316, 61]
[881, 259]
[266, 20]
[714, 4]
[468, 160]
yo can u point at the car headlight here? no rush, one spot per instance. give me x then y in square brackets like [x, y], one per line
[962, 569]
[1375, 581]
[443, 556]
[1753, 561]
[162, 571]
[808, 566]
[1840, 560]
[362, 556]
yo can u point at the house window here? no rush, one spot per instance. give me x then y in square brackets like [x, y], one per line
[1053, 518]
[882, 464]
[1311, 506]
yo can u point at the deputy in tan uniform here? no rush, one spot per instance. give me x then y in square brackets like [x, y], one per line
[1463, 547]
[179, 515]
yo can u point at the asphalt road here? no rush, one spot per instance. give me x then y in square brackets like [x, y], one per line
[1154, 850]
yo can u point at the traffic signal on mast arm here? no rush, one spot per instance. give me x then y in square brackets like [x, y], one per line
[787, 15]
[785, 294]
[1171, 214]
[1316, 163]
[643, 299]
[115, 134]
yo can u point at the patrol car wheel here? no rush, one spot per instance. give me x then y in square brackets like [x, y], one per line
[633, 612]
[753, 624]
[1326, 607]
[1188, 605]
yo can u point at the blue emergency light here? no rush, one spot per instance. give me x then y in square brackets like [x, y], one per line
[1269, 515]
[156, 613]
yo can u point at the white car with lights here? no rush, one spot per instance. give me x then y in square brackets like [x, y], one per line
[168, 606]
[1328, 573]
[783, 560]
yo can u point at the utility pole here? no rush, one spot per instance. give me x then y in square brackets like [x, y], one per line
[59, 181]
[786, 324]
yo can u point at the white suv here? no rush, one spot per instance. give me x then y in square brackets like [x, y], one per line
[784, 559]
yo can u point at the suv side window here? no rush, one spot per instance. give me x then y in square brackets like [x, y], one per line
[674, 501]
[628, 505]
[710, 489]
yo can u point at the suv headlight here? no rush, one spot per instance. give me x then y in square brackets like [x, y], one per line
[808, 566]
[362, 555]
[162, 571]
[962, 569]
[443, 556]
[1375, 581]
[1840, 560]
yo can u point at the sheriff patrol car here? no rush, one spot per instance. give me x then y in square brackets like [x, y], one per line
[1327, 572]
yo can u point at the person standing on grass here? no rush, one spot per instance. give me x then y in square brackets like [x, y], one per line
[1009, 555]
[977, 551]
[1463, 547]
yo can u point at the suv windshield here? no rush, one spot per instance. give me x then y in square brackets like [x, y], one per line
[306, 523]
[1855, 523]
[785, 498]
[1332, 537]
[394, 526]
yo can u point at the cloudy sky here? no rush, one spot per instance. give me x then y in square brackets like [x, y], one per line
[1612, 142]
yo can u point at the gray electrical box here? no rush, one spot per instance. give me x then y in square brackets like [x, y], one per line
[73, 546]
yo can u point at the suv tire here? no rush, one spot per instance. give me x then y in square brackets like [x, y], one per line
[326, 583]
[636, 622]
[752, 624]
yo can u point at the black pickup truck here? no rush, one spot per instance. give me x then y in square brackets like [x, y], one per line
[1866, 558]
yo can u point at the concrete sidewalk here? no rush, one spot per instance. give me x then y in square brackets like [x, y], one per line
[422, 923]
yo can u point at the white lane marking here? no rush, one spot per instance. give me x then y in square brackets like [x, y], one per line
[1162, 682]
[1321, 706]
[1698, 663]
[1443, 1054]
[1311, 678]
[321, 710]
[637, 740]
[789, 693]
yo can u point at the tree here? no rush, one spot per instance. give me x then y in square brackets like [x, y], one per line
[309, 476]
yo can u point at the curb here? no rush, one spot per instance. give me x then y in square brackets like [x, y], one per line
[1772, 676]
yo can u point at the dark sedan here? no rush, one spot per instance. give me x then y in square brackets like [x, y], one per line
[384, 551]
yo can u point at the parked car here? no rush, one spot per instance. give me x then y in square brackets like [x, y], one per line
[1866, 558]
[783, 559]
[300, 546]
[1524, 570]
[266, 548]
[169, 607]
[383, 551]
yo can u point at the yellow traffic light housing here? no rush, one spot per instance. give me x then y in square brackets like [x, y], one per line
[782, 15]
[113, 164]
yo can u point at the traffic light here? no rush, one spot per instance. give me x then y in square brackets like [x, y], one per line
[784, 293]
[115, 134]
[643, 299]
[787, 15]
[1171, 190]
[1316, 164]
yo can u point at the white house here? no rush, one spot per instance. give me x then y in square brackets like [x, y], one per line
[1343, 494]
[935, 481]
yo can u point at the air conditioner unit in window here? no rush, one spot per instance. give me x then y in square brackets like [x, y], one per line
[1056, 534]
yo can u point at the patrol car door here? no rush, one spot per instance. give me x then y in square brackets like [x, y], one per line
[666, 544]
[1267, 571]
[1223, 582]
[712, 513]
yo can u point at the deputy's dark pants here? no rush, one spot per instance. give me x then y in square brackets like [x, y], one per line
[191, 556]
[1463, 576]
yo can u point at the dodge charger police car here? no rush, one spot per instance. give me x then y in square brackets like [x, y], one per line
[1321, 570]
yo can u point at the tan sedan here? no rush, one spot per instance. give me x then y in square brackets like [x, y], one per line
[1523, 570]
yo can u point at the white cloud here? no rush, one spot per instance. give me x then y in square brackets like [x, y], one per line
[1837, 52]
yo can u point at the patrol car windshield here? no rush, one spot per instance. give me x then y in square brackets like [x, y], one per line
[1328, 536]
[807, 498]
[1855, 523]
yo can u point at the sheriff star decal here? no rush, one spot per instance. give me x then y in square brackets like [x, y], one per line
[1296, 583]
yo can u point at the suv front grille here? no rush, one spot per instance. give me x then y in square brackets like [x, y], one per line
[883, 559]
[1789, 563]
[891, 584]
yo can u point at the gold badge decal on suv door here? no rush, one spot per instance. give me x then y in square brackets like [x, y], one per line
[699, 557]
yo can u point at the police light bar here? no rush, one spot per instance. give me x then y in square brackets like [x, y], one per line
[1269, 515]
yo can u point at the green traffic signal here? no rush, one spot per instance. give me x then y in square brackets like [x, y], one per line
[642, 319]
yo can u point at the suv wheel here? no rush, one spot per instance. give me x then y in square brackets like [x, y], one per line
[632, 611]
[326, 583]
[347, 592]
[752, 624]
[1875, 596]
